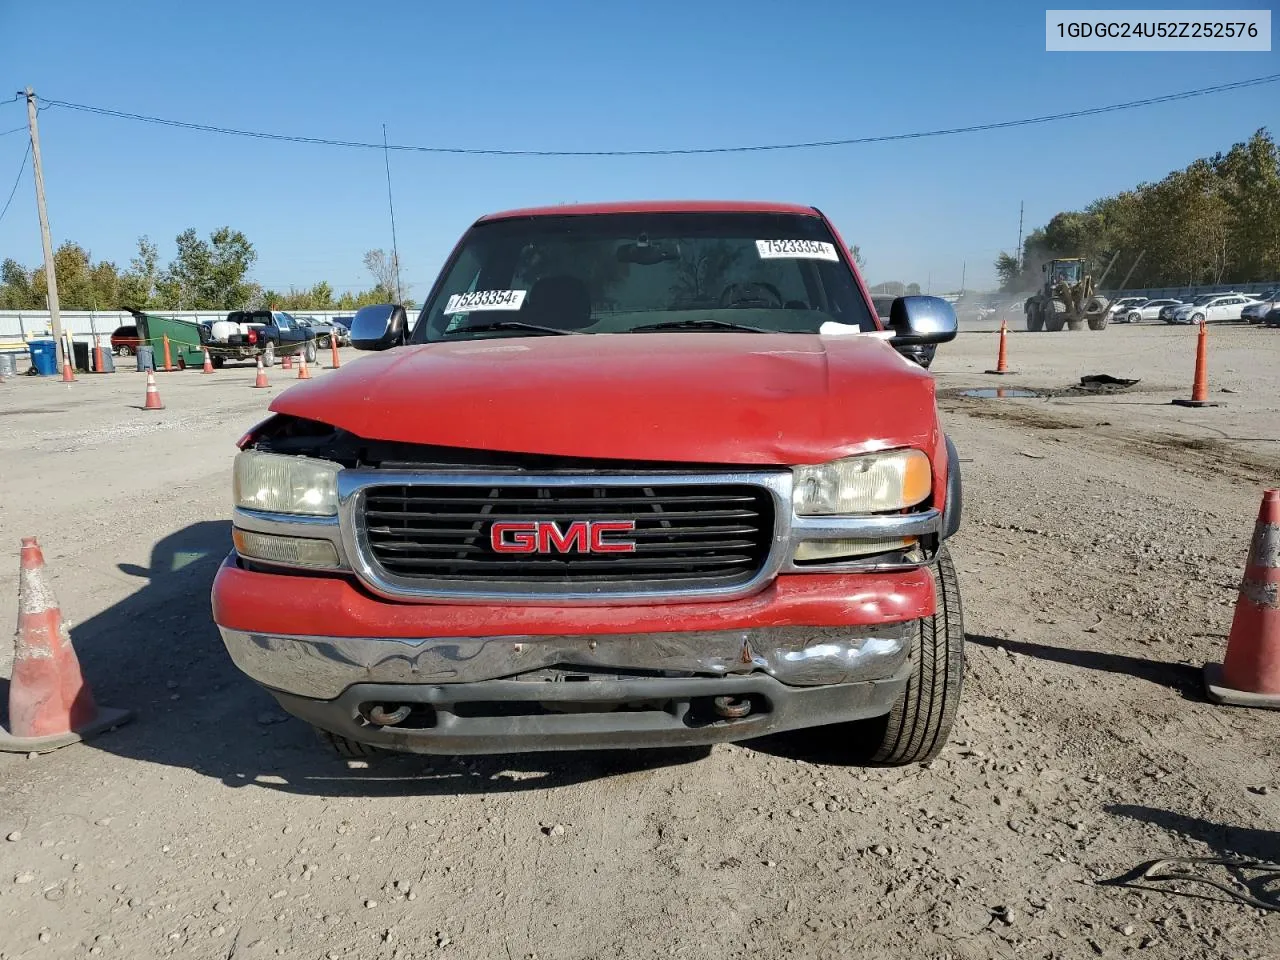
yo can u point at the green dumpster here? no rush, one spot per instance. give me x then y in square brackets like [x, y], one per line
[186, 339]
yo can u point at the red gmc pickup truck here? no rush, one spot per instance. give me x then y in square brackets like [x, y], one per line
[644, 474]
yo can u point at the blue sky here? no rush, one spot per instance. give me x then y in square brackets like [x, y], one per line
[584, 75]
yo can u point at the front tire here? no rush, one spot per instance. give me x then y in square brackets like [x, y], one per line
[917, 727]
[311, 351]
[125, 351]
[1055, 315]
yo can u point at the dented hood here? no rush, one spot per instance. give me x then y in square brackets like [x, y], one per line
[729, 398]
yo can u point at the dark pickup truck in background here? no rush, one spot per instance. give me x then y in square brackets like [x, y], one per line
[246, 334]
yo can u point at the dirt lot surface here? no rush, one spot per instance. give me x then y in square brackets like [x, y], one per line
[1103, 541]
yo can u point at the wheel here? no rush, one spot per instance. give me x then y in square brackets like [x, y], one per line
[916, 728]
[1097, 323]
[350, 749]
[310, 351]
[324, 341]
[1197, 318]
[269, 354]
[125, 351]
[1055, 315]
[218, 362]
[1135, 317]
[1035, 319]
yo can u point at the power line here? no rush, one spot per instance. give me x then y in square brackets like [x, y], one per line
[686, 151]
[14, 130]
[18, 179]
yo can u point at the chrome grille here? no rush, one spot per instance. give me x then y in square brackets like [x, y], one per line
[687, 536]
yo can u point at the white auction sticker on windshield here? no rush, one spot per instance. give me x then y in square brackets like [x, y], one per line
[486, 300]
[796, 249]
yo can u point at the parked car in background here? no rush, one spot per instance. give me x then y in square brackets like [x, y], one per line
[247, 334]
[1272, 319]
[1120, 307]
[1209, 307]
[124, 341]
[1147, 310]
[1266, 302]
[325, 331]
[1166, 313]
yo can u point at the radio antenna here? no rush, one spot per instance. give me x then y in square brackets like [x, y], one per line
[395, 252]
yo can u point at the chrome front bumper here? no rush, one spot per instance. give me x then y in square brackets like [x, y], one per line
[323, 667]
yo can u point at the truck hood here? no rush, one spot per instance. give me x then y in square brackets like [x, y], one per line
[727, 398]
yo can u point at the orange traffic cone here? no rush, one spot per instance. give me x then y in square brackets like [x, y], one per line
[1002, 357]
[97, 355]
[50, 705]
[168, 360]
[208, 362]
[286, 362]
[303, 372]
[333, 345]
[261, 380]
[153, 394]
[1249, 675]
[68, 371]
[1200, 386]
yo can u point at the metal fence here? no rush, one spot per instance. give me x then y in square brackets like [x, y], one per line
[20, 325]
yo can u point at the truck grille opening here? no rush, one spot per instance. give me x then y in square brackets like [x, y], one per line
[710, 536]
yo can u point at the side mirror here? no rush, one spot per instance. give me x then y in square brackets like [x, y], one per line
[379, 327]
[921, 320]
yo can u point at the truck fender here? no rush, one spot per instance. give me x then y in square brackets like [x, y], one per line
[955, 501]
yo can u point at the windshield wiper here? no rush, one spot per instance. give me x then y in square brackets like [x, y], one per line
[506, 325]
[706, 323]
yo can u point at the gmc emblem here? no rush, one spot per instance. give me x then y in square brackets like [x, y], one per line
[546, 536]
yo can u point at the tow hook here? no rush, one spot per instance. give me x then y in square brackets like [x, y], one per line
[379, 715]
[732, 708]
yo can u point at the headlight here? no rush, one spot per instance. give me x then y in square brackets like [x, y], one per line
[283, 484]
[871, 483]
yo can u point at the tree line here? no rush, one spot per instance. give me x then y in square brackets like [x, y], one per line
[1217, 221]
[210, 274]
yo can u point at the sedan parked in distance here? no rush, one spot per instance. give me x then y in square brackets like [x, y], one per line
[1212, 308]
[1272, 319]
[1120, 307]
[1147, 310]
[1266, 302]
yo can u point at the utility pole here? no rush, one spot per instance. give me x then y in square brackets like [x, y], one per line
[55, 315]
[963, 269]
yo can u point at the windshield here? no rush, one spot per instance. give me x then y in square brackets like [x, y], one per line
[616, 273]
[1070, 272]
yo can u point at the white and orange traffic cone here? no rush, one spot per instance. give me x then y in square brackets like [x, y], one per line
[68, 374]
[153, 394]
[1249, 675]
[333, 346]
[303, 372]
[208, 362]
[50, 705]
[261, 380]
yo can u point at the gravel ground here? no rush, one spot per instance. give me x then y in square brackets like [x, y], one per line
[1103, 540]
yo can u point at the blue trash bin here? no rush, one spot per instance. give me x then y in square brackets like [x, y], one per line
[44, 356]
